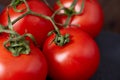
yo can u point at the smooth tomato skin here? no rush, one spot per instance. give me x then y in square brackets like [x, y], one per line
[77, 60]
[23, 67]
[35, 25]
[91, 20]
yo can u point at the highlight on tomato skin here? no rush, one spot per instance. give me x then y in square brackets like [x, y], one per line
[37, 26]
[90, 19]
[76, 60]
[24, 67]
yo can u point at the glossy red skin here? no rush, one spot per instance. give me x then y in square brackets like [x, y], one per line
[91, 20]
[37, 26]
[77, 60]
[23, 67]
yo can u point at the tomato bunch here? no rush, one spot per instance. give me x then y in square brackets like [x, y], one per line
[38, 41]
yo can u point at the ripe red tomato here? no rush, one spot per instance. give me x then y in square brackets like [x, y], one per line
[76, 60]
[23, 67]
[35, 25]
[91, 19]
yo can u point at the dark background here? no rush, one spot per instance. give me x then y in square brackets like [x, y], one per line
[108, 40]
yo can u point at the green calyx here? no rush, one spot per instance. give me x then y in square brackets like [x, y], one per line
[60, 39]
[16, 43]
[15, 3]
[70, 11]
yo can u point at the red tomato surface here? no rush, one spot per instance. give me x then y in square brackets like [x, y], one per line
[91, 19]
[76, 60]
[35, 25]
[23, 67]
